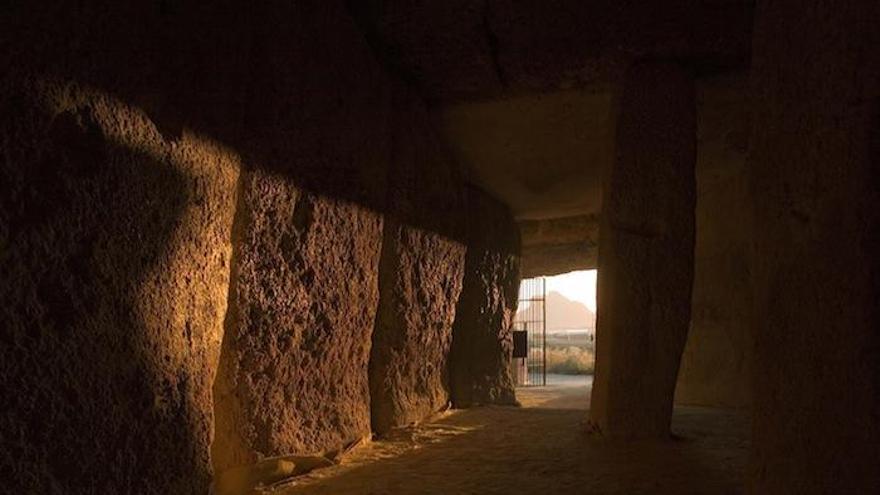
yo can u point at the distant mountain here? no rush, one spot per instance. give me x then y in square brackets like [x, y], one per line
[563, 313]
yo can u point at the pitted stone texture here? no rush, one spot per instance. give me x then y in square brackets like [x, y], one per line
[130, 254]
[295, 366]
[421, 273]
[409, 371]
[293, 376]
[813, 172]
[482, 343]
[115, 225]
[646, 254]
[115, 268]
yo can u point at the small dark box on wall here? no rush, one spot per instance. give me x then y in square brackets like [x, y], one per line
[520, 343]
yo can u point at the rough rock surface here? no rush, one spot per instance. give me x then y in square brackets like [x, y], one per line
[715, 367]
[115, 227]
[558, 245]
[293, 376]
[294, 369]
[115, 256]
[420, 275]
[482, 343]
[117, 232]
[646, 254]
[813, 166]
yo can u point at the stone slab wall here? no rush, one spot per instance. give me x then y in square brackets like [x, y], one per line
[421, 272]
[125, 128]
[482, 342]
[192, 224]
[813, 172]
[715, 367]
[115, 244]
[293, 376]
[294, 370]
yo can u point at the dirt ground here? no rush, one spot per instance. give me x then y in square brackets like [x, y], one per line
[540, 448]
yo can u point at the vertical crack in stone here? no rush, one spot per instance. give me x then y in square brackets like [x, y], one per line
[226, 404]
[380, 416]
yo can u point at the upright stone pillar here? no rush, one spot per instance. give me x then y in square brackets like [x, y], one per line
[646, 254]
[814, 172]
[482, 341]
[420, 272]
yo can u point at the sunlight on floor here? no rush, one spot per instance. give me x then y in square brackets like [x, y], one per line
[540, 448]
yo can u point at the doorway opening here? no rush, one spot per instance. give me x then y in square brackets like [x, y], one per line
[555, 330]
[529, 334]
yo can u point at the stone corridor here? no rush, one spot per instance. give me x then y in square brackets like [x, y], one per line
[241, 240]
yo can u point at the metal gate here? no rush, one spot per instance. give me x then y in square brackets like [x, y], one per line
[530, 334]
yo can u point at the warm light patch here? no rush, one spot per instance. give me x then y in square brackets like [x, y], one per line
[578, 286]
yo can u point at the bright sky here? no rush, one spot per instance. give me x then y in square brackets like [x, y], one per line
[578, 286]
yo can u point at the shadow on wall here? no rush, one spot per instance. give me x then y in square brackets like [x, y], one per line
[311, 108]
[120, 265]
[96, 377]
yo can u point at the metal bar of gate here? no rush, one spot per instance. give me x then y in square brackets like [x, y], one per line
[531, 318]
[544, 329]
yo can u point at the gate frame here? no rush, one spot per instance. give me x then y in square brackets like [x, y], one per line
[532, 291]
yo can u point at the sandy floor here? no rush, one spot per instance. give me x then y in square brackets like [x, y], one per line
[540, 448]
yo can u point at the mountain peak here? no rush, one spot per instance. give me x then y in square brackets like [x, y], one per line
[563, 313]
